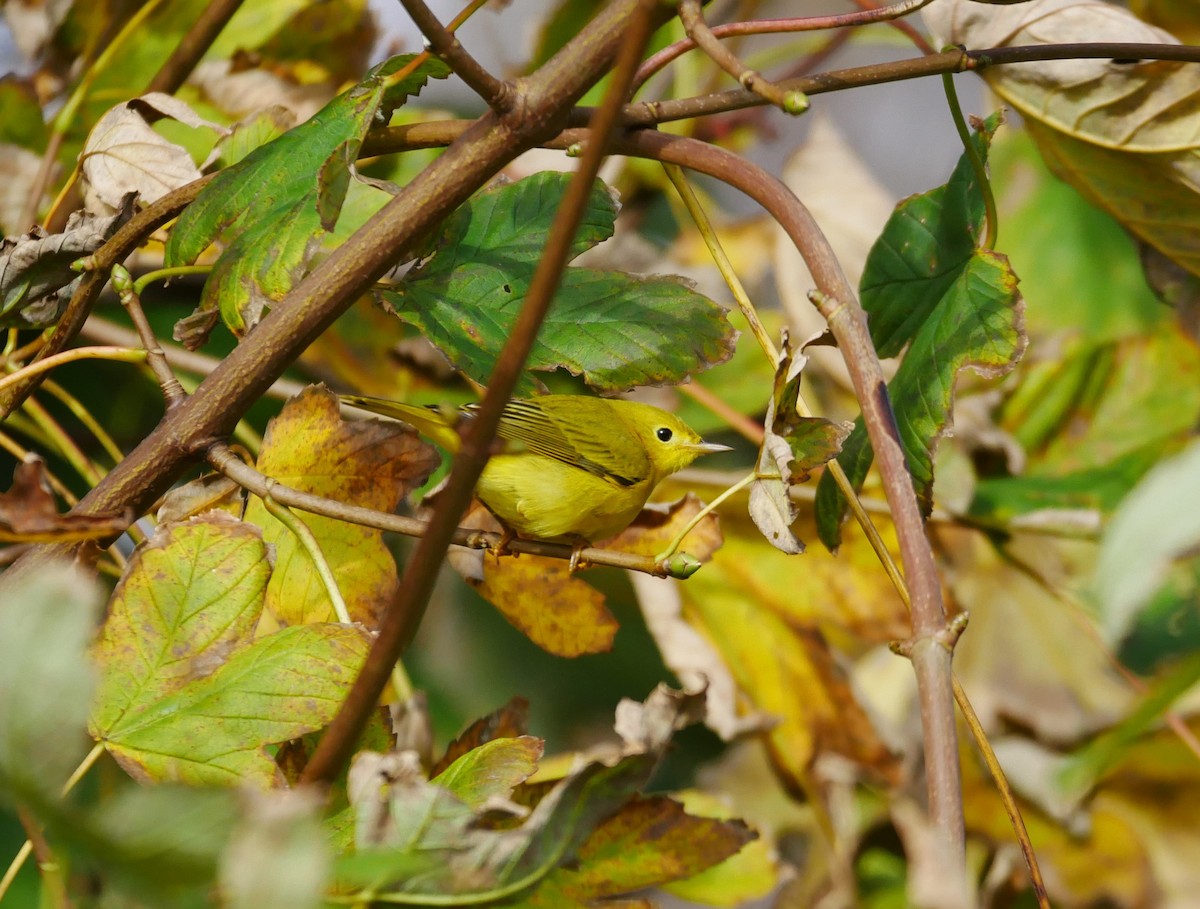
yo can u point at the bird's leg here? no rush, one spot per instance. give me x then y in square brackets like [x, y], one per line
[577, 560]
[507, 535]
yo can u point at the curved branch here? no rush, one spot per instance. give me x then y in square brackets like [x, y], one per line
[697, 29]
[847, 321]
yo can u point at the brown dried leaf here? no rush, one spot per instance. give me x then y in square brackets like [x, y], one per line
[124, 154]
[28, 513]
[36, 280]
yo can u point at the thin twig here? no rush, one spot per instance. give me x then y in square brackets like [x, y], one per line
[905, 28]
[776, 26]
[37, 367]
[126, 290]
[650, 113]
[226, 462]
[84, 416]
[696, 28]
[496, 93]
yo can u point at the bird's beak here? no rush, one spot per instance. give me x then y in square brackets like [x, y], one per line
[709, 447]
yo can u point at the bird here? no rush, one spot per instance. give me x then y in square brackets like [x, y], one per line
[571, 467]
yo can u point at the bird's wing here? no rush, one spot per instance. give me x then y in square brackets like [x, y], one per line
[572, 434]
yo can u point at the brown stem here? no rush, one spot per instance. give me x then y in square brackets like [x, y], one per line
[496, 93]
[403, 616]
[193, 45]
[697, 29]
[847, 321]
[776, 26]
[651, 113]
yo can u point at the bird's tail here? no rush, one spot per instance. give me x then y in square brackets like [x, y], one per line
[435, 424]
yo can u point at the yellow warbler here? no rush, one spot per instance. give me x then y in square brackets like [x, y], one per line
[572, 466]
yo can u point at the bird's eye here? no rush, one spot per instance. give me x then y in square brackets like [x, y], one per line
[664, 434]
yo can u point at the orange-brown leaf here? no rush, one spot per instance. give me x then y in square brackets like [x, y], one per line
[28, 513]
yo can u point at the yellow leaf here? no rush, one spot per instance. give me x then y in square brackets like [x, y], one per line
[370, 463]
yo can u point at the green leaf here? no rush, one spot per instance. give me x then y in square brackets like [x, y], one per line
[418, 839]
[1157, 524]
[275, 204]
[190, 597]
[214, 730]
[921, 254]
[976, 325]
[926, 286]
[492, 770]
[185, 692]
[45, 680]
[613, 329]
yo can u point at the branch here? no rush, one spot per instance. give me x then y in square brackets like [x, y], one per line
[249, 370]
[652, 113]
[400, 621]
[776, 27]
[225, 461]
[497, 93]
[697, 29]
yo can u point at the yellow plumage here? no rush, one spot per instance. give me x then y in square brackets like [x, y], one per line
[572, 466]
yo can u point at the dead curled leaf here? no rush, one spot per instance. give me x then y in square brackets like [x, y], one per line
[124, 154]
[1126, 134]
[28, 513]
[36, 279]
